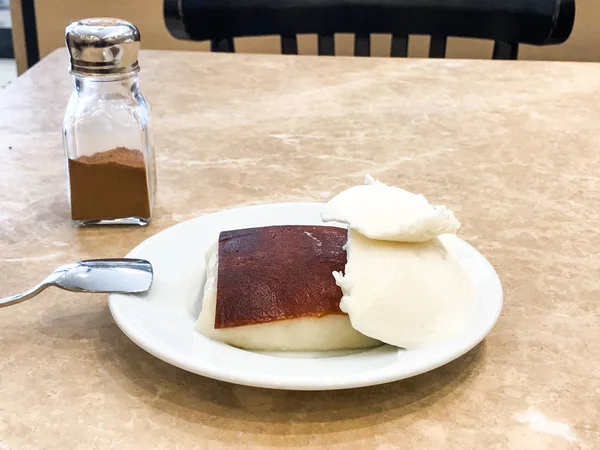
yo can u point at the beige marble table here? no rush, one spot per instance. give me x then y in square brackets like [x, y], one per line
[513, 147]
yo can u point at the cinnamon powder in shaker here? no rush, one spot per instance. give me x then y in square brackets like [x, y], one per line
[109, 185]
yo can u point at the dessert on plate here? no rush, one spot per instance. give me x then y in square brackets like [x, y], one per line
[401, 283]
[272, 288]
[388, 277]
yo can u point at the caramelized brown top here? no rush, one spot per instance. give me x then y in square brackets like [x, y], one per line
[279, 272]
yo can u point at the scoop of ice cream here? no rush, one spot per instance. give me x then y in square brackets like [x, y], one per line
[379, 211]
[405, 294]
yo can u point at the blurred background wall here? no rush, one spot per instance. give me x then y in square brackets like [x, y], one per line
[53, 15]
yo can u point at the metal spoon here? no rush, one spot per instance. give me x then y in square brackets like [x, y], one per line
[96, 275]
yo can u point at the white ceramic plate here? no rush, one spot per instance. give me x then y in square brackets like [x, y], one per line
[162, 320]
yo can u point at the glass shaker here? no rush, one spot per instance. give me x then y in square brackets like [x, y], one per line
[106, 130]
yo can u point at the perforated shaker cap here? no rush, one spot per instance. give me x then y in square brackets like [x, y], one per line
[103, 46]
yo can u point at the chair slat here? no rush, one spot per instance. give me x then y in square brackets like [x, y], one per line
[222, 45]
[505, 50]
[362, 45]
[326, 45]
[399, 46]
[437, 47]
[289, 44]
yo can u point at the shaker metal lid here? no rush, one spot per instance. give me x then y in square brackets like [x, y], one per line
[103, 46]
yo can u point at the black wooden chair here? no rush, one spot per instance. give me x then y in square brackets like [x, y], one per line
[507, 22]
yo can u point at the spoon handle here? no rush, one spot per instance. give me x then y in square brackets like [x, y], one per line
[7, 301]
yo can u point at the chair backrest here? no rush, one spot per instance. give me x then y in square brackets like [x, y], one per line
[507, 22]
